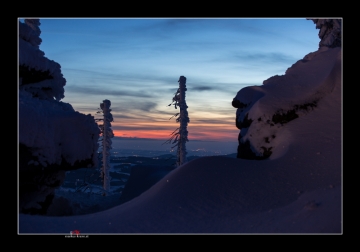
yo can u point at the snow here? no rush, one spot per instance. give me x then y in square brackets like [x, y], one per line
[107, 134]
[180, 135]
[330, 32]
[306, 82]
[183, 119]
[33, 58]
[297, 190]
[62, 133]
[52, 129]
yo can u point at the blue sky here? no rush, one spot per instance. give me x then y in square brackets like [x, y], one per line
[136, 63]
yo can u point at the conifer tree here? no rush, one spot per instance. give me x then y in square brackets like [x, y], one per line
[107, 134]
[180, 135]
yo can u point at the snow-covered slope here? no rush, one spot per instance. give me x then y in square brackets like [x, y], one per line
[296, 190]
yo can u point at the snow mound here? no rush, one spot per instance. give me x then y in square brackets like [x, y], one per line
[264, 111]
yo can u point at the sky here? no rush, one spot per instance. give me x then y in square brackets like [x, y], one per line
[136, 63]
[297, 190]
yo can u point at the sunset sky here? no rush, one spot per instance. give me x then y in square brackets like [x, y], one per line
[136, 64]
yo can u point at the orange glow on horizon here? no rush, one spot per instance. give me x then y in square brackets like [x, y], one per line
[198, 130]
[193, 135]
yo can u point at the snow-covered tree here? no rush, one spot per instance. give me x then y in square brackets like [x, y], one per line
[52, 137]
[32, 32]
[107, 134]
[330, 32]
[37, 74]
[180, 136]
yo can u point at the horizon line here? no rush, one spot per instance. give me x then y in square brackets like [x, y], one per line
[160, 139]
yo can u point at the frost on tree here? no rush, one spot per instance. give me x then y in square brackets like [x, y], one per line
[330, 32]
[53, 137]
[180, 136]
[52, 130]
[37, 74]
[107, 134]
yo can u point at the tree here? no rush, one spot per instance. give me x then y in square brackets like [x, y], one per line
[107, 134]
[37, 74]
[330, 31]
[180, 135]
[34, 35]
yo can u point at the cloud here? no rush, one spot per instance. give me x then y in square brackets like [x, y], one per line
[228, 89]
[174, 25]
[145, 128]
[98, 91]
[201, 85]
[167, 26]
[138, 79]
[144, 106]
[203, 88]
[265, 57]
[244, 58]
[215, 121]
[121, 115]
